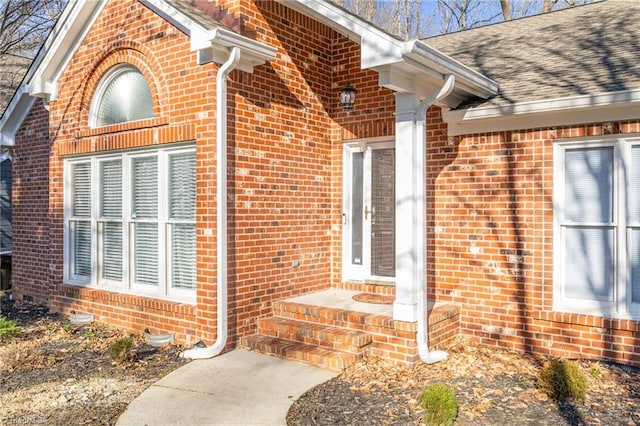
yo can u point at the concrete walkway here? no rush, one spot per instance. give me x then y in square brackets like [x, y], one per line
[236, 388]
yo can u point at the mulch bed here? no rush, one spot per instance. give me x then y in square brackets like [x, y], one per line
[53, 373]
[493, 387]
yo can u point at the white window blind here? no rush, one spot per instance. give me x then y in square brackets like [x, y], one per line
[111, 220]
[589, 185]
[597, 226]
[633, 227]
[182, 174]
[589, 202]
[80, 225]
[145, 213]
[589, 263]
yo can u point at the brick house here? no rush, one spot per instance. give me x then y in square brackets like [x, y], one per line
[187, 167]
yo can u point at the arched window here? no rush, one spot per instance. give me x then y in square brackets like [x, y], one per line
[123, 95]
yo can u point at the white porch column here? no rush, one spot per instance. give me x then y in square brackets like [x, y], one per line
[410, 209]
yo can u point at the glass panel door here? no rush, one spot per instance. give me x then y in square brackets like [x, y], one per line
[369, 215]
[383, 218]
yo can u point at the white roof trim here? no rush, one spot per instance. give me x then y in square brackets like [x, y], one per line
[16, 112]
[215, 45]
[65, 37]
[612, 106]
[37, 84]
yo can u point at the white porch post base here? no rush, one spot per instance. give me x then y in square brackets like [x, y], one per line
[410, 225]
[405, 312]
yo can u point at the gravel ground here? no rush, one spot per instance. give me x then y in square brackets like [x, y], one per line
[55, 374]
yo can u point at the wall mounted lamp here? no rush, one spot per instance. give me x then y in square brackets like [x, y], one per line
[348, 97]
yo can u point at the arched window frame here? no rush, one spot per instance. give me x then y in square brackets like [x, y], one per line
[104, 83]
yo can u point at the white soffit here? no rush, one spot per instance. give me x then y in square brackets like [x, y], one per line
[613, 106]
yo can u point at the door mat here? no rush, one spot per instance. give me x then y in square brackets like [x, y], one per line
[381, 299]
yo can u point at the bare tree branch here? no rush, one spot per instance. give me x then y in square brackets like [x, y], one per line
[24, 24]
[506, 13]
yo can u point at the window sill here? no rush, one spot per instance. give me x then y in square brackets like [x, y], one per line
[112, 294]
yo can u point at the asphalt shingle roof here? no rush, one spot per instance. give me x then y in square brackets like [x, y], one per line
[578, 51]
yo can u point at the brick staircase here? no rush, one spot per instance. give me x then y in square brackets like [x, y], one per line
[336, 337]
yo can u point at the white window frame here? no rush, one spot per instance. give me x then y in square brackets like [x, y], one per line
[164, 289]
[106, 80]
[621, 306]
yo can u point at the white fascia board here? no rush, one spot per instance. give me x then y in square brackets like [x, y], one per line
[613, 106]
[170, 14]
[64, 40]
[16, 112]
[474, 82]
[40, 79]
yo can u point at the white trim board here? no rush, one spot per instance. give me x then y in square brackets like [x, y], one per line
[613, 106]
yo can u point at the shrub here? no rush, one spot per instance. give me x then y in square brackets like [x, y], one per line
[120, 350]
[8, 328]
[562, 379]
[439, 403]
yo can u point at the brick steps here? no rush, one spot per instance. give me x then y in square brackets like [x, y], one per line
[330, 359]
[314, 334]
[323, 336]
[335, 338]
[328, 316]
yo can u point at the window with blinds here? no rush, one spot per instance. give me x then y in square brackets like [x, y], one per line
[145, 219]
[589, 225]
[80, 222]
[137, 234]
[182, 215]
[110, 221]
[597, 211]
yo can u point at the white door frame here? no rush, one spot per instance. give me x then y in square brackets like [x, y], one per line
[362, 271]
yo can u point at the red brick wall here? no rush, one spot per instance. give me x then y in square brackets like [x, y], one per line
[489, 196]
[490, 243]
[285, 155]
[31, 226]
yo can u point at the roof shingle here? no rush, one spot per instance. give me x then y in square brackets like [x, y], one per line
[578, 51]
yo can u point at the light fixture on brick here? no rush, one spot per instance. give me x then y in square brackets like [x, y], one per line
[348, 97]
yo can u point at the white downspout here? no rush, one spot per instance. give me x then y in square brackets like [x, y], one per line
[422, 337]
[221, 214]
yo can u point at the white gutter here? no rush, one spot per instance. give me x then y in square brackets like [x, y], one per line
[221, 213]
[422, 337]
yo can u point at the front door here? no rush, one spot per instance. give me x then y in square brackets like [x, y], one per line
[369, 213]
